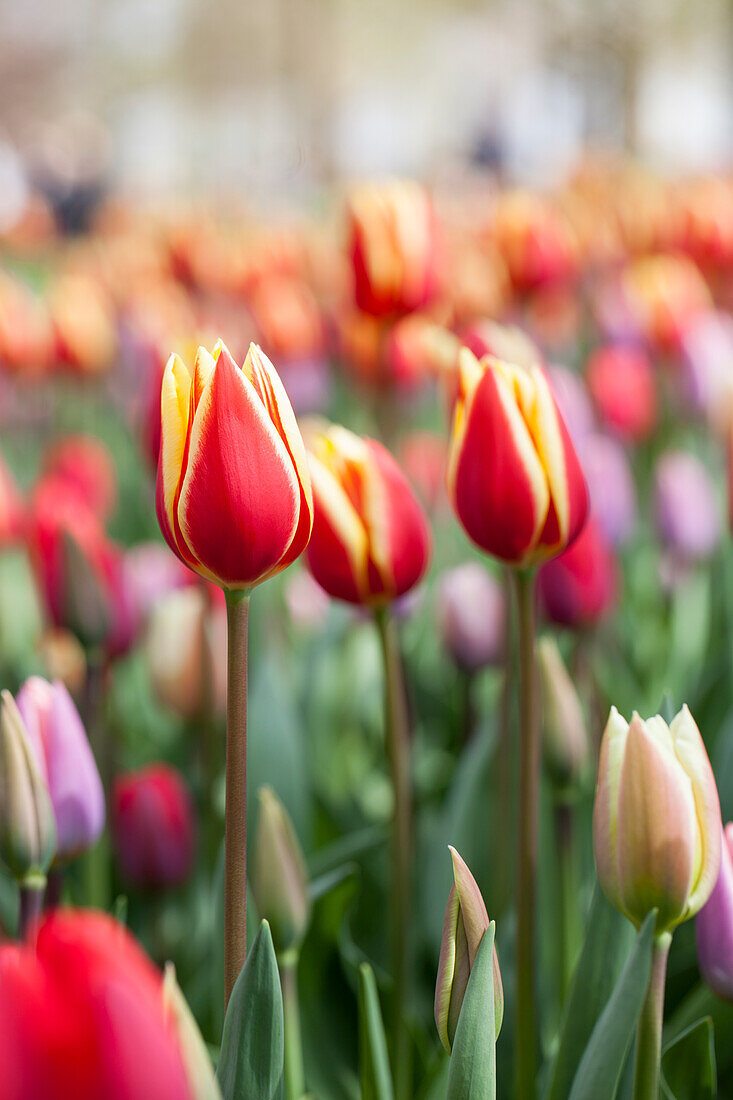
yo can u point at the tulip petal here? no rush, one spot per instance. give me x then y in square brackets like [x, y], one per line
[175, 401]
[446, 968]
[238, 506]
[605, 808]
[715, 927]
[690, 751]
[399, 536]
[338, 552]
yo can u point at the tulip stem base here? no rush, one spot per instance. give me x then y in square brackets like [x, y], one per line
[398, 754]
[649, 1030]
[31, 903]
[294, 1074]
[529, 775]
[235, 814]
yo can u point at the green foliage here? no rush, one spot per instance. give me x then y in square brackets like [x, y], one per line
[688, 1064]
[374, 1073]
[472, 1074]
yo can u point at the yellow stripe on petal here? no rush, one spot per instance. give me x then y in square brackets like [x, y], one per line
[343, 519]
[175, 398]
[542, 418]
[202, 371]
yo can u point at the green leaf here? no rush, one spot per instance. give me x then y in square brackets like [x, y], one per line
[376, 1082]
[606, 947]
[252, 1044]
[602, 1063]
[688, 1064]
[472, 1073]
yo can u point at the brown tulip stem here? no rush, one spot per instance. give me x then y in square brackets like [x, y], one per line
[31, 903]
[649, 1030]
[235, 813]
[529, 775]
[504, 795]
[397, 737]
[569, 936]
[294, 1075]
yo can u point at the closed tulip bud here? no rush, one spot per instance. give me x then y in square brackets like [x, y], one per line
[27, 830]
[153, 827]
[186, 645]
[621, 383]
[67, 764]
[685, 507]
[565, 738]
[233, 496]
[465, 923]
[513, 475]
[202, 1081]
[85, 466]
[278, 877]
[471, 616]
[656, 819]
[578, 588]
[12, 508]
[611, 486]
[715, 926]
[371, 541]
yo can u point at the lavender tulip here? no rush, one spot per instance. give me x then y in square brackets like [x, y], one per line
[611, 486]
[715, 926]
[471, 614]
[685, 507]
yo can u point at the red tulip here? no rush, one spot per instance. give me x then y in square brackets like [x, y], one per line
[621, 383]
[579, 587]
[83, 463]
[12, 508]
[535, 240]
[82, 1016]
[513, 475]
[153, 826]
[234, 499]
[371, 541]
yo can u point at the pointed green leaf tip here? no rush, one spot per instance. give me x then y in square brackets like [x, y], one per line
[252, 1044]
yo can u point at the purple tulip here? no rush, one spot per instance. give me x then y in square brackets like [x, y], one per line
[685, 507]
[150, 572]
[715, 926]
[573, 401]
[707, 361]
[66, 761]
[471, 615]
[611, 486]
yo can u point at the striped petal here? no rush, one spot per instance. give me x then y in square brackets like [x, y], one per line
[690, 751]
[175, 404]
[605, 807]
[399, 536]
[338, 551]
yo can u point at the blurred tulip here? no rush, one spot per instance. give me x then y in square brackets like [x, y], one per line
[465, 923]
[12, 508]
[565, 737]
[67, 764]
[579, 587]
[392, 246]
[714, 926]
[656, 820]
[202, 1081]
[371, 541]
[621, 383]
[663, 295]
[707, 359]
[507, 342]
[149, 573]
[27, 830]
[423, 457]
[84, 464]
[685, 507]
[279, 879]
[82, 1017]
[186, 648]
[572, 401]
[306, 602]
[471, 616]
[288, 319]
[535, 239]
[611, 487]
[233, 499]
[84, 323]
[513, 475]
[63, 657]
[153, 827]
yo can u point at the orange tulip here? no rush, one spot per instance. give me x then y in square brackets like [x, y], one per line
[233, 497]
[371, 541]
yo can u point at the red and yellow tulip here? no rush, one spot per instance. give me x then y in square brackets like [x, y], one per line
[233, 498]
[371, 541]
[513, 475]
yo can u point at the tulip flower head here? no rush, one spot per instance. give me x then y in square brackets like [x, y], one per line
[233, 498]
[465, 923]
[513, 475]
[371, 541]
[471, 611]
[656, 819]
[279, 877]
[27, 829]
[715, 926]
[153, 827]
[578, 587]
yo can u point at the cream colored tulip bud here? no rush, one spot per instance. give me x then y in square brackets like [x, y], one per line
[186, 652]
[465, 923]
[196, 1061]
[656, 820]
[564, 734]
[27, 825]
[278, 876]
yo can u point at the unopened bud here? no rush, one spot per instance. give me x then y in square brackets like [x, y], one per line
[196, 1061]
[279, 880]
[564, 734]
[27, 828]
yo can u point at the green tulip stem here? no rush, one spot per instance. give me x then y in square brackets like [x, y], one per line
[649, 1030]
[235, 813]
[31, 902]
[294, 1075]
[529, 775]
[398, 754]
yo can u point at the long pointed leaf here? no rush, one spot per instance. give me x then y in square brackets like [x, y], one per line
[376, 1082]
[472, 1073]
[688, 1064]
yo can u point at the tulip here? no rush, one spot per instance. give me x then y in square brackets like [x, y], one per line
[279, 879]
[84, 323]
[371, 541]
[64, 659]
[67, 764]
[465, 923]
[685, 507]
[422, 457]
[572, 401]
[506, 342]
[513, 475]
[82, 1016]
[471, 616]
[196, 1060]
[579, 588]
[565, 740]
[153, 827]
[611, 487]
[392, 247]
[12, 508]
[27, 829]
[663, 295]
[621, 383]
[185, 645]
[535, 240]
[84, 464]
[715, 926]
[306, 602]
[149, 574]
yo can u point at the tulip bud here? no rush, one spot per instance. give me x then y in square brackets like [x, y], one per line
[685, 507]
[27, 830]
[471, 616]
[578, 588]
[656, 819]
[278, 876]
[621, 383]
[67, 764]
[611, 487]
[464, 925]
[715, 926]
[153, 827]
[186, 652]
[196, 1061]
[565, 738]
